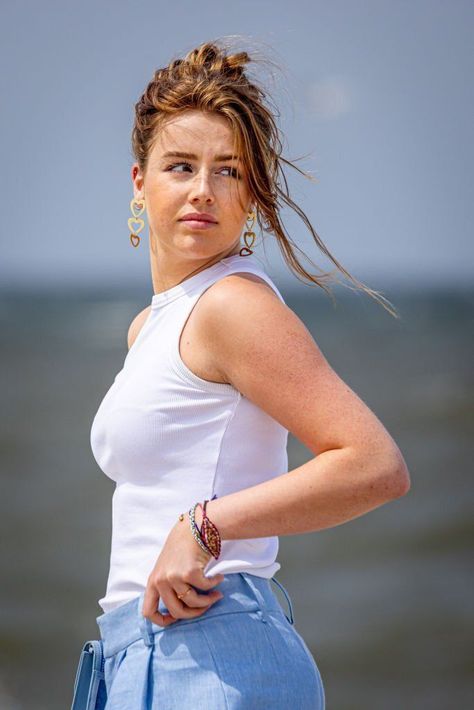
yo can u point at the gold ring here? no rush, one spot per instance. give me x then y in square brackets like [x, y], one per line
[180, 596]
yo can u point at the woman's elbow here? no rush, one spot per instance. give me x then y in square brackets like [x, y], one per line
[392, 478]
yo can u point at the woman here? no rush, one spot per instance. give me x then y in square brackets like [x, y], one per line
[194, 428]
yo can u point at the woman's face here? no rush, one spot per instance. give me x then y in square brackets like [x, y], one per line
[192, 169]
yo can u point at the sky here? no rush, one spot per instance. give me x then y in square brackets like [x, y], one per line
[376, 95]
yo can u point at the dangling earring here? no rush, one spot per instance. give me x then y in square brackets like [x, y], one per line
[135, 224]
[249, 234]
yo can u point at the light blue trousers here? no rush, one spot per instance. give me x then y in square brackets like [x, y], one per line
[243, 653]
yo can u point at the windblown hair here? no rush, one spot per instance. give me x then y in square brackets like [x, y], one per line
[210, 78]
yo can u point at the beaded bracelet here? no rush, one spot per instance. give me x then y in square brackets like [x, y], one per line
[195, 530]
[208, 538]
[209, 533]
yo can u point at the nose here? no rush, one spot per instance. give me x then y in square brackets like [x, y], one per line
[201, 189]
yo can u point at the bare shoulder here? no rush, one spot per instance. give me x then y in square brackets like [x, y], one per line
[196, 346]
[238, 295]
[261, 346]
[241, 315]
[136, 325]
[241, 321]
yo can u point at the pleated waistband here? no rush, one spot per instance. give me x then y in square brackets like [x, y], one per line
[243, 592]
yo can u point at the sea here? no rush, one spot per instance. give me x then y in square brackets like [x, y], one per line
[385, 601]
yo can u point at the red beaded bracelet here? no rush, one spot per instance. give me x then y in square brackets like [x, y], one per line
[209, 533]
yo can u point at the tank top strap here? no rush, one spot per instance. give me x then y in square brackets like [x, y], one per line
[235, 264]
[248, 264]
[230, 265]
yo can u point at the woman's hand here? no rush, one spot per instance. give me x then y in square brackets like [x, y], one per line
[181, 563]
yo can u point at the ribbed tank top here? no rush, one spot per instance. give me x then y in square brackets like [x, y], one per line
[169, 438]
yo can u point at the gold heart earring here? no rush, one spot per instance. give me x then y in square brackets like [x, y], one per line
[249, 234]
[135, 224]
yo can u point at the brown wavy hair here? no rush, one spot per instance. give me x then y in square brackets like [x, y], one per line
[211, 78]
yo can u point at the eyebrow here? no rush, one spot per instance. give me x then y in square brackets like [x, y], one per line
[192, 156]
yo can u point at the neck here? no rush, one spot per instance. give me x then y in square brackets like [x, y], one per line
[167, 271]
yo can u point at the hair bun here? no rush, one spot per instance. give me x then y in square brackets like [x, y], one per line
[214, 60]
[234, 64]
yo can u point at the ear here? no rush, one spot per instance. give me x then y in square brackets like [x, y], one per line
[138, 181]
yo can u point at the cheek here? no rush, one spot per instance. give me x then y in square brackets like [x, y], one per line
[161, 191]
[236, 192]
[234, 200]
[163, 201]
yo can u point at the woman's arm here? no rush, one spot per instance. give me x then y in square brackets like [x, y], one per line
[264, 350]
[260, 346]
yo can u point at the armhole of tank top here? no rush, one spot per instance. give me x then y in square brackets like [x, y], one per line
[175, 356]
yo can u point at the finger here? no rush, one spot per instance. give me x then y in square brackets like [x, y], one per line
[192, 598]
[150, 608]
[182, 611]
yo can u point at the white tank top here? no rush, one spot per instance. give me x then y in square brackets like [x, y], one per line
[169, 439]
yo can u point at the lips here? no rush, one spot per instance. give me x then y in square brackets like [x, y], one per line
[198, 217]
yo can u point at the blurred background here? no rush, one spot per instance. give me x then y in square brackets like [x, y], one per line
[376, 100]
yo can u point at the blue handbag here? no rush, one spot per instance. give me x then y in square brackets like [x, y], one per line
[89, 686]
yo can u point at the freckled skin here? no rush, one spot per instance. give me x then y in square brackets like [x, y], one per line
[245, 335]
[174, 186]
